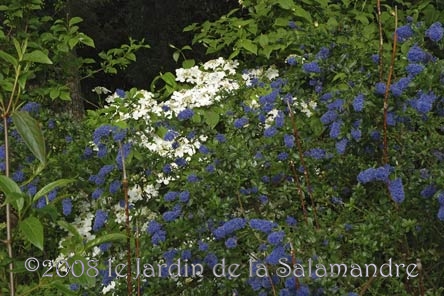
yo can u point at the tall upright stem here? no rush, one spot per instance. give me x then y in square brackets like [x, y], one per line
[8, 212]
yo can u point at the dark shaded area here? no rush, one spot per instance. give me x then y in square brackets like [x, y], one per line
[160, 23]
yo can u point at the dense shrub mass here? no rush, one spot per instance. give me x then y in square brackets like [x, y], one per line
[314, 169]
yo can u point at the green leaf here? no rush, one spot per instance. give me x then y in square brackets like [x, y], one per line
[188, 63]
[176, 55]
[248, 45]
[300, 12]
[37, 56]
[71, 229]
[30, 131]
[211, 118]
[88, 41]
[14, 195]
[75, 20]
[286, 4]
[32, 230]
[8, 58]
[111, 237]
[51, 186]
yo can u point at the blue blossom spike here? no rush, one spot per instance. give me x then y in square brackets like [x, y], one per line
[397, 190]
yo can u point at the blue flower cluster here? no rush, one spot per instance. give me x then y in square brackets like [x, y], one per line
[100, 219]
[375, 174]
[229, 227]
[158, 235]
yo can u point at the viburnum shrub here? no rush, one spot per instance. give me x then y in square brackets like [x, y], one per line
[233, 180]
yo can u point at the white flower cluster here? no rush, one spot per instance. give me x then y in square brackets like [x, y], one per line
[306, 108]
[270, 73]
[209, 82]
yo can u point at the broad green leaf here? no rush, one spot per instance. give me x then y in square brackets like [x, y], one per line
[12, 191]
[211, 118]
[7, 185]
[299, 11]
[176, 55]
[30, 131]
[75, 20]
[88, 41]
[51, 186]
[169, 78]
[112, 237]
[37, 56]
[248, 45]
[286, 4]
[188, 63]
[8, 58]
[32, 230]
[263, 40]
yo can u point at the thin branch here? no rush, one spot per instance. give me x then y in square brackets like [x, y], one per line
[381, 40]
[387, 87]
[301, 158]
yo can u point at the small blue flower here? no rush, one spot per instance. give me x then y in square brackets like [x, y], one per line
[240, 122]
[289, 141]
[105, 170]
[231, 243]
[170, 136]
[184, 196]
[414, 69]
[441, 198]
[335, 129]
[87, 153]
[291, 221]
[220, 138]
[119, 135]
[270, 132]
[380, 88]
[282, 156]
[204, 149]
[316, 153]
[399, 86]
[435, 32]
[101, 132]
[31, 107]
[114, 186]
[102, 151]
[74, 287]
[185, 114]
[171, 196]
[210, 168]
[153, 227]
[424, 103]
[276, 238]
[105, 247]
[404, 32]
[120, 92]
[416, 55]
[329, 116]
[18, 176]
[292, 25]
[202, 246]
[291, 61]
[192, 178]
[396, 190]
[429, 191]
[263, 199]
[265, 226]
[323, 53]
[375, 58]
[341, 145]
[66, 206]
[441, 213]
[100, 219]
[97, 193]
[358, 103]
[356, 134]
[312, 67]
[167, 169]
[171, 215]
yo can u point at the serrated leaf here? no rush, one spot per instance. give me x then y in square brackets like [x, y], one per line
[51, 186]
[111, 237]
[32, 230]
[32, 135]
[37, 56]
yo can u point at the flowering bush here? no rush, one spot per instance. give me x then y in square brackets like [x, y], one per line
[238, 179]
